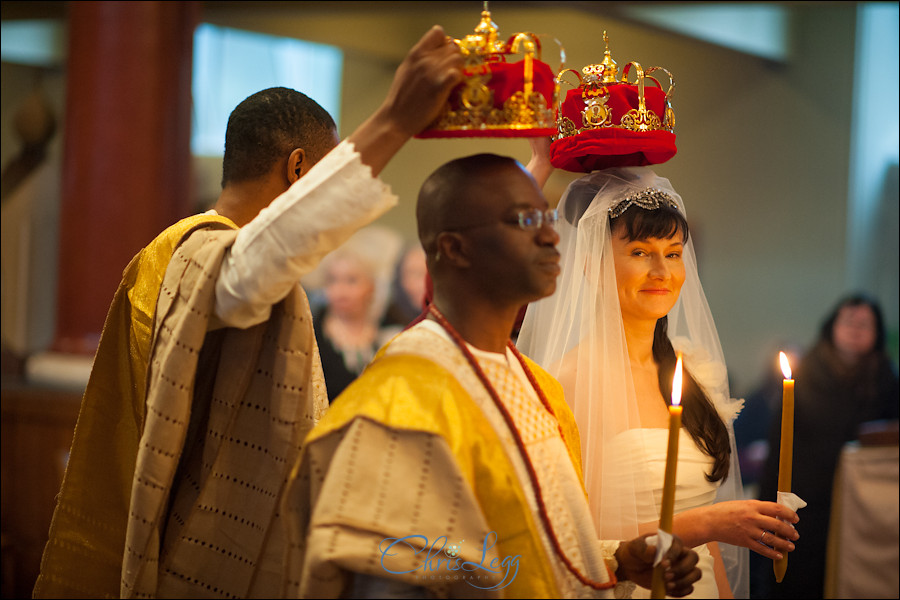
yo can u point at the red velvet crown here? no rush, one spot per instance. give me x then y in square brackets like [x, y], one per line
[606, 122]
[499, 98]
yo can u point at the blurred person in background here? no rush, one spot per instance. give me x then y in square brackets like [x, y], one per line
[845, 380]
[355, 290]
[407, 294]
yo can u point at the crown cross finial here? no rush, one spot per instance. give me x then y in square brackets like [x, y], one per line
[485, 40]
[610, 70]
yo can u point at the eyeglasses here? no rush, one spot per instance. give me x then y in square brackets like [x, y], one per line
[528, 219]
[535, 218]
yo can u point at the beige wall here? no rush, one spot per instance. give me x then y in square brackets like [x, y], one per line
[763, 148]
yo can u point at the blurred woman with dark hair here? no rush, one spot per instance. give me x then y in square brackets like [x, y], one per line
[846, 379]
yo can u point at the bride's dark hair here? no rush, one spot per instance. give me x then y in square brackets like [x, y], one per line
[700, 417]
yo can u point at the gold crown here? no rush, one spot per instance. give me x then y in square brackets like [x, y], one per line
[498, 98]
[606, 101]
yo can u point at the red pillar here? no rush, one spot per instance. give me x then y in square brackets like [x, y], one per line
[126, 162]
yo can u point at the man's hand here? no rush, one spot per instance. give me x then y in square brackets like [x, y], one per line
[423, 81]
[421, 87]
[635, 559]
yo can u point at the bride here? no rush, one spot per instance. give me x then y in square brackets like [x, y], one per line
[627, 300]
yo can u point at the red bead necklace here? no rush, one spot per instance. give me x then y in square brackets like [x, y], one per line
[542, 508]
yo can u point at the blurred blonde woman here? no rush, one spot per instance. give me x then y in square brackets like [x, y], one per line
[355, 280]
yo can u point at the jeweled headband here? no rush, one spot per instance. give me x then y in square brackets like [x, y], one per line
[648, 199]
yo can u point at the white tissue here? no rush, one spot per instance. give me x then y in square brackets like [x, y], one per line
[792, 501]
[663, 541]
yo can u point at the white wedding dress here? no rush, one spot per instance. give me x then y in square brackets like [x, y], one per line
[578, 335]
[641, 453]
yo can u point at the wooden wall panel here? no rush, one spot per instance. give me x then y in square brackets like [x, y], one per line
[37, 428]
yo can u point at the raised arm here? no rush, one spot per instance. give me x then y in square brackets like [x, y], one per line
[339, 194]
[539, 165]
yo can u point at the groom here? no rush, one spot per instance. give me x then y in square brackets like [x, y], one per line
[452, 465]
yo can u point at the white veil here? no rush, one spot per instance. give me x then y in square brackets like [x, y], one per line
[578, 336]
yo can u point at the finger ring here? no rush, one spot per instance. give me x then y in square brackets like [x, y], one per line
[763, 535]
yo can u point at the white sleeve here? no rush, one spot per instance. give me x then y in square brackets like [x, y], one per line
[290, 236]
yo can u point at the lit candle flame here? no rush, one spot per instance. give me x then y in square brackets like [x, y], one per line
[676, 383]
[785, 365]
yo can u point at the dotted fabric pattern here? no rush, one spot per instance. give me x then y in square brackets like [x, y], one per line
[227, 411]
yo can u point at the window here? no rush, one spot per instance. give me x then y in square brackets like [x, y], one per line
[231, 64]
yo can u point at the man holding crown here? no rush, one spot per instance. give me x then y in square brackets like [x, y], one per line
[207, 377]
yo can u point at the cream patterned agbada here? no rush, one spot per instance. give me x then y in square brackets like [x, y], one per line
[261, 265]
[189, 495]
[416, 447]
[83, 557]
